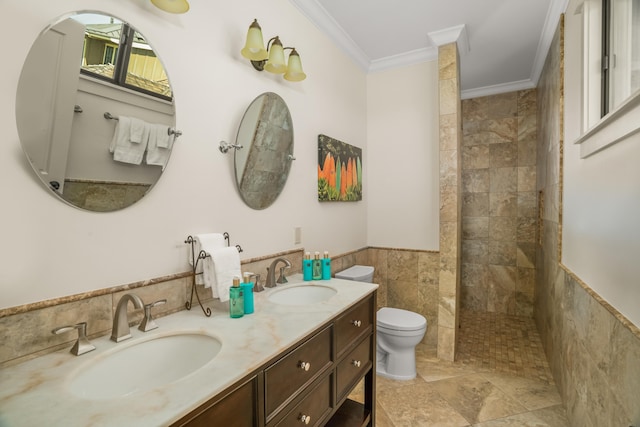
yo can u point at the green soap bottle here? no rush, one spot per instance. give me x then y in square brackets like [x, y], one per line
[317, 267]
[236, 300]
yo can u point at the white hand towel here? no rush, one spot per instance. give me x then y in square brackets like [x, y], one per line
[121, 146]
[159, 147]
[137, 131]
[205, 274]
[226, 264]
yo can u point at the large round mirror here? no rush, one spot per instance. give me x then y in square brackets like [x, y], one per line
[262, 164]
[95, 112]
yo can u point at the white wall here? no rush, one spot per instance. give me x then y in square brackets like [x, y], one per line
[49, 249]
[403, 157]
[601, 205]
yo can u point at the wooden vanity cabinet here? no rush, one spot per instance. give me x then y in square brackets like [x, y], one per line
[235, 407]
[308, 384]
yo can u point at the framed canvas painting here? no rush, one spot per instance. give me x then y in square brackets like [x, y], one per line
[339, 170]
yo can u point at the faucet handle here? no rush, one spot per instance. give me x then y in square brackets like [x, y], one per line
[257, 287]
[82, 344]
[282, 278]
[148, 323]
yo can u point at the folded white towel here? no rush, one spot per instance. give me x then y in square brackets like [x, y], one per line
[121, 146]
[226, 262]
[205, 273]
[159, 146]
[137, 131]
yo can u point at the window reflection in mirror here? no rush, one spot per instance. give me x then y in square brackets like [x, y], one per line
[115, 51]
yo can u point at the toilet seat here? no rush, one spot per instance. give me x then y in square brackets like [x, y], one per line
[398, 319]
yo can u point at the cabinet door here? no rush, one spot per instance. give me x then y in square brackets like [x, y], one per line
[288, 376]
[354, 324]
[312, 410]
[353, 367]
[236, 409]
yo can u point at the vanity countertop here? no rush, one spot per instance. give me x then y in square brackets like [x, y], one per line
[36, 391]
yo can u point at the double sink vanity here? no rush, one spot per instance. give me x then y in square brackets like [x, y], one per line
[292, 362]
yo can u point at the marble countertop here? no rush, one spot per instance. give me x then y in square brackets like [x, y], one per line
[37, 391]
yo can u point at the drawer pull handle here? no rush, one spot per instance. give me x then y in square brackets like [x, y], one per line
[356, 323]
[306, 419]
[304, 365]
[356, 363]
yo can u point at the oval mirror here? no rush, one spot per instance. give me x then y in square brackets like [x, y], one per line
[262, 164]
[95, 112]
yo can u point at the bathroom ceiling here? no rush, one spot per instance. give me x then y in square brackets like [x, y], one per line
[502, 43]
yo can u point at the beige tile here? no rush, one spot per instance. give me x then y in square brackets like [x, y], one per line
[503, 180]
[503, 155]
[475, 204]
[501, 130]
[475, 157]
[532, 394]
[502, 253]
[448, 132]
[477, 399]
[502, 228]
[551, 417]
[475, 181]
[418, 405]
[503, 204]
[475, 251]
[474, 228]
[526, 178]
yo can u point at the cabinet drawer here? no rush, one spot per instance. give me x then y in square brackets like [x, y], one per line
[236, 409]
[353, 324]
[313, 409]
[353, 366]
[285, 378]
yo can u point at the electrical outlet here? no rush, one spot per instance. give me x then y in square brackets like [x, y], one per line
[297, 235]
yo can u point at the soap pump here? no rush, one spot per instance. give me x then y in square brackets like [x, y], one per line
[236, 300]
[317, 267]
[247, 293]
[307, 267]
[326, 266]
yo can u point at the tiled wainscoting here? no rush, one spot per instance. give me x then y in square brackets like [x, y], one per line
[407, 278]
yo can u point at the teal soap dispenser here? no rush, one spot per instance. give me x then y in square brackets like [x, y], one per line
[247, 293]
[307, 267]
[326, 266]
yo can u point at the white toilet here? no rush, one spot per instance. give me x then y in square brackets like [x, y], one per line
[399, 331]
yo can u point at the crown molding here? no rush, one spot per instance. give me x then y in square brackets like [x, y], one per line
[413, 57]
[497, 89]
[556, 8]
[456, 34]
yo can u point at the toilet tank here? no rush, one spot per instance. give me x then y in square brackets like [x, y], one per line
[359, 273]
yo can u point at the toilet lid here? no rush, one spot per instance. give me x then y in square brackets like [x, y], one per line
[400, 320]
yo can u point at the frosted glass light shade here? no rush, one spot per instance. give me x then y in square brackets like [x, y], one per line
[294, 69]
[254, 47]
[172, 6]
[276, 63]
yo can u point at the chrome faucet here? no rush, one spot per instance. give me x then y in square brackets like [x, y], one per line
[271, 272]
[120, 330]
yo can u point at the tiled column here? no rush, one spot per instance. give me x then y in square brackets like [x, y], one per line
[450, 200]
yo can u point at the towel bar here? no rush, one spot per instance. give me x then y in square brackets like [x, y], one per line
[171, 131]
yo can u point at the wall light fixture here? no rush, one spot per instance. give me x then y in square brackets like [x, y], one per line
[271, 58]
[172, 6]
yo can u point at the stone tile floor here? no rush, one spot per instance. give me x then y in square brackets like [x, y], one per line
[500, 378]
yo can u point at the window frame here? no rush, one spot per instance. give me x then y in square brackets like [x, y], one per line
[121, 66]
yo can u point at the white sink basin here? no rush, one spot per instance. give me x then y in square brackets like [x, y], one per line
[143, 365]
[302, 294]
